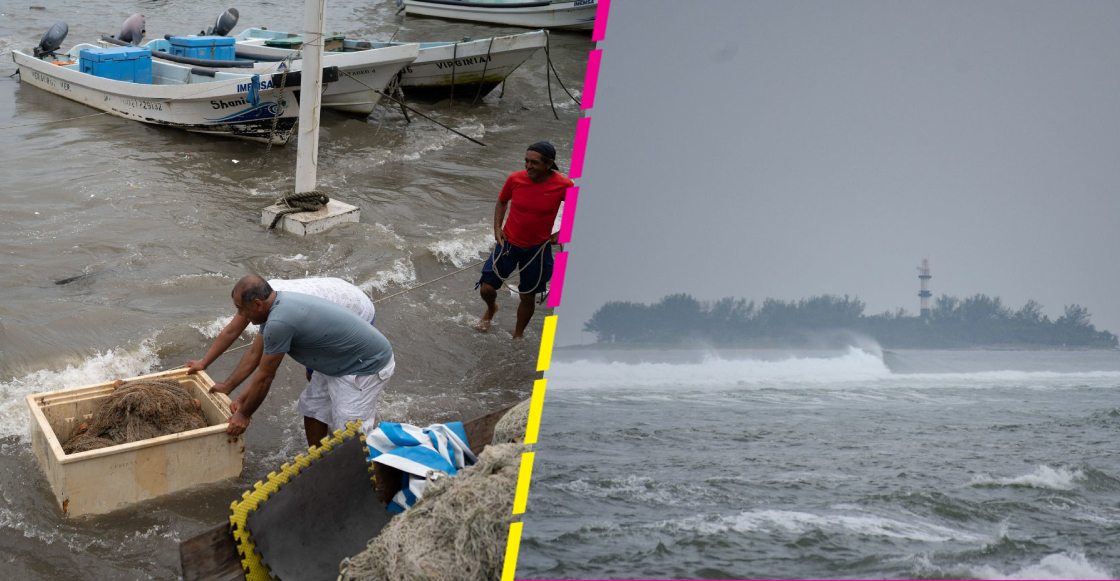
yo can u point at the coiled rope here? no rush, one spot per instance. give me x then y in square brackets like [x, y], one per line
[312, 201]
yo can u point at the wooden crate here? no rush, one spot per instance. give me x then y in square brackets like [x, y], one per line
[99, 481]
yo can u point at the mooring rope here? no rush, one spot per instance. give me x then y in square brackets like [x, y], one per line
[548, 56]
[401, 103]
[312, 201]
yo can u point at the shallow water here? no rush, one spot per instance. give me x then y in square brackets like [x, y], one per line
[171, 219]
[771, 464]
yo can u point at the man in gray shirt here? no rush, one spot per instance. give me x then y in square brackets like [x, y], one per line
[352, 360]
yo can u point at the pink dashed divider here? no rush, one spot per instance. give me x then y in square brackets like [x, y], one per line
[589, 81]
[570, 198]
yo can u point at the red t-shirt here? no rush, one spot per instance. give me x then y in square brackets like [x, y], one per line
[532, 211]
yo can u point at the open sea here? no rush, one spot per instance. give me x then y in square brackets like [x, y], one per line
[170, 220]
[856, 464]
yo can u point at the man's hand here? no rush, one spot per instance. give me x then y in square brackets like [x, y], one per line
[237, 424]
[220, 387]
[194, 367]
[235, 405]
[499, 236]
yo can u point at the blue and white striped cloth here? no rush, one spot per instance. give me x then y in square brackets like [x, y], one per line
[416, 452]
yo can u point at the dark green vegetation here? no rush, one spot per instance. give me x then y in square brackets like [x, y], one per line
[976, 321]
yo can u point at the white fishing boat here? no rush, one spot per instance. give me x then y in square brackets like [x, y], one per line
[473, 68]
[572, 14]
[169, 95]
[360, 74]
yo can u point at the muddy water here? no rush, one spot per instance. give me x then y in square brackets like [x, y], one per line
[168, 221]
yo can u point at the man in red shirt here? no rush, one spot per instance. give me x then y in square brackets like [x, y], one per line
[524, 246]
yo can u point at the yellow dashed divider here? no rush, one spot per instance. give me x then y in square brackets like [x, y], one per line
[523, 478]
[547, 336]
[252, 499]
[509, 568]
[535, 407]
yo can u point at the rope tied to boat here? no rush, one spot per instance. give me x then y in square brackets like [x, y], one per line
[312, 201]
[287, 64]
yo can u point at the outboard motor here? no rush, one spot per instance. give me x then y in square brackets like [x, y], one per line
[224, 24]
[52, 39]
[133, 29]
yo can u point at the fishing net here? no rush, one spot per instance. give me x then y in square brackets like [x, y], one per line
[458, 529]
[511, 428]
[138, 410]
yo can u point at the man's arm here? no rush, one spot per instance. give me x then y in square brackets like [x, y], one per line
[499, 217]
[249, 362]
[222, 342]
[254, 395]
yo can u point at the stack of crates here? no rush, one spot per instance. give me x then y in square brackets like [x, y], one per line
[211, 48]
[126, 63]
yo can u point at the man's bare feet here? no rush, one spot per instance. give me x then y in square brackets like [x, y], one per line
[487, 319]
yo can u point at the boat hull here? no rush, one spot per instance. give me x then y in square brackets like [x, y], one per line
[438, 65]
[577, 15]
[216, 108]
[361, 73]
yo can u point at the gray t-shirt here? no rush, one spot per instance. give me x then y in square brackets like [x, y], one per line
[324, 336]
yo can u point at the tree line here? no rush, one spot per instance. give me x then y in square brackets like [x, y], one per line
[977, 320]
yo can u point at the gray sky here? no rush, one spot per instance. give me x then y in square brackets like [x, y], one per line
[786, 149]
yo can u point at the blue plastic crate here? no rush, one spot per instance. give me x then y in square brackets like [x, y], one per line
[203, 47]
[124, 63]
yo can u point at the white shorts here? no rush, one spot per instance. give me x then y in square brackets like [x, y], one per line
[337, 400]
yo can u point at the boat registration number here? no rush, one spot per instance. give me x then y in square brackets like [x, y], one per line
[141, 104]
[50, 81]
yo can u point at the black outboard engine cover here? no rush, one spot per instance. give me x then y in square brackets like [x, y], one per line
[52, 39]
[133, 29]
[224, 24]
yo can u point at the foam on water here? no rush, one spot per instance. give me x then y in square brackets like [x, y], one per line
[112, 364]
[401, 273]
[462, 246]
[1042, 477]
[858, 366]
[211, 329]
[1066, 565]
[803, 522]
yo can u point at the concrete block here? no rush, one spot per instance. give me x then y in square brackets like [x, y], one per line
[305, 223]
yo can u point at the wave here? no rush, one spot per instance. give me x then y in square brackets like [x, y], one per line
[461, 246]
[1069, 565]
[855, 366]
[1043, 477]
[114, 363]
[803, 523]
[858, 366]
[401, 274]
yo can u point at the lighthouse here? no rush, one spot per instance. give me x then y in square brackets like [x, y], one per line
[924, 294]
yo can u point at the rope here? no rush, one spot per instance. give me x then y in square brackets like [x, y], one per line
[553, 67]
[56, 121]
[279, 111]
[484, 67]
[517, 271]
[465, 268]
[417, 112]
[302, 202]
[548, 78]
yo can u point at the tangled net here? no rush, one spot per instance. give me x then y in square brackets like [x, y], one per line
[458, 530]
[138, 410]
[511, 428]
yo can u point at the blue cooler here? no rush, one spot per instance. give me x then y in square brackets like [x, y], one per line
[203, 47]
[125, 63]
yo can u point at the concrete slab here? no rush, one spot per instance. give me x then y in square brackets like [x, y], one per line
[306, 223]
